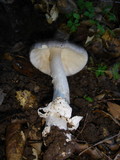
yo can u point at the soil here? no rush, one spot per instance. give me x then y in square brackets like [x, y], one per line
[98, 129]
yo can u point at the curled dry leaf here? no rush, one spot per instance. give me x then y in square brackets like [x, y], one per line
[100, 96]
[89, 39]
[66, 6]
[36, 146]
[26, 98]
[111, 44]
[96, 46]
[114, 109]
[15, 141]
[53, 15]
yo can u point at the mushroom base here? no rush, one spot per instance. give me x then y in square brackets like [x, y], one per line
[58, 113]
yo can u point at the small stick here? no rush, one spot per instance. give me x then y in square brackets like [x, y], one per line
[100, 142]
[112, 118]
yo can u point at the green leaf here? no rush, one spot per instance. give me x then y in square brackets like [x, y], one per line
[89, 5]
[76, 15]
[101, 29]
[76, 21]
[73, 28]
[80, 4]
[88, 14]
[87, 98]
[107, 10]
[77, 24]
[100, 70]
[92, 21]
[112, 17]
[69, 23]
[115, 71]
[69, 15]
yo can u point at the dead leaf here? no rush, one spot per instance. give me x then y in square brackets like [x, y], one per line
[114, 109]
[89, 39]
[111, 44]
[109, 73]
[8, 56]
[36, 146]
[26, 98]
[15, 142]
[96, 47]
[100, 96]
[93, 152]
[107, 36]
[53, 15]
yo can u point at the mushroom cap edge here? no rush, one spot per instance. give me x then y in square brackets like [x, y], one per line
[74, 58]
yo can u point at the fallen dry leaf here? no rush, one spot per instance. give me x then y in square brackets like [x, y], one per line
[111, 44]
[96, 46]
[26, 98]
[114, 109]
[100, 96]
[52, 15]
[15, 142]
[107, 36]
[36, 146]
[8, 56]
[89, 39]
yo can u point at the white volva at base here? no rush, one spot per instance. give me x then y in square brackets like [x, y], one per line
[58, 113]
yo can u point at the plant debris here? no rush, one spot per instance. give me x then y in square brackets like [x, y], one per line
[114, 109]
[26, 98]
[15, 141]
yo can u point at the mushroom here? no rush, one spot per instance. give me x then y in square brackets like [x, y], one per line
[59, 60]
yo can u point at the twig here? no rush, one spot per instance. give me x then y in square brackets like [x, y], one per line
[106, 156]
[117, 157]
[100, 142]
[102, 153]
[112, 118]
[85, 122]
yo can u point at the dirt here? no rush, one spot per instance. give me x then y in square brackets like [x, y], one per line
[98, 129]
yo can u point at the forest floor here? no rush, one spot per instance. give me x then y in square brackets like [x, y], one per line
[94, 95]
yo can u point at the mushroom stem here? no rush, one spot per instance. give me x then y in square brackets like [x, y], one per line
[60, 83]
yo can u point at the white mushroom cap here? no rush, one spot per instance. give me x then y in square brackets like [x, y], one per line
[74, 58]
